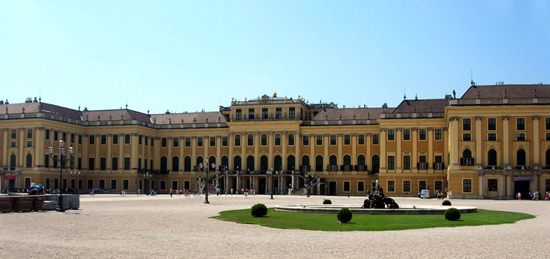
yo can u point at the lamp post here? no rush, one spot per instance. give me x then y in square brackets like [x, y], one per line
[147, 176]
[74, 173]
[62, 160]
[206, 168]
[270, 173]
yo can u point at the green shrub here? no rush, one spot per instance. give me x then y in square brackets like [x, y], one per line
[452, 214]
[326, 201]
[446, 203]
[344, 215]
[258, 210]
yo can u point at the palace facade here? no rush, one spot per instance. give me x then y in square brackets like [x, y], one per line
[492, 142]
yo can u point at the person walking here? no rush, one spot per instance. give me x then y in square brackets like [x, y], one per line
[139, 192]
[171, 191]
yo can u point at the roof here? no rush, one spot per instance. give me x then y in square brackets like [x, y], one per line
[118, 114]
[507, 91]
[422, 106]
[351, 114]
[198, 117]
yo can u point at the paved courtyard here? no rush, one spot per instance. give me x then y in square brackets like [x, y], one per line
[112, 226]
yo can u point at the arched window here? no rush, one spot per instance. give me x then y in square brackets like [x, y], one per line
[29, 161]
[305, 167]
[291, 162]
[237, 163]
[521, 161]
[175, 163]
[212, 160]
[200, 160]
[492, 157]
[263, 163]
[333, 160]
[13, 161]
[250, 163]
[305, 160]
[361, 160]
[375, 161]
[347, 160]
[548, 157]
[278, 163]
[187, 164]
[225, 161]
[467, 159]
[163, 164]
[319, 163]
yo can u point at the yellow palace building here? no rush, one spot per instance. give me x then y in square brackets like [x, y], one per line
[493, 142]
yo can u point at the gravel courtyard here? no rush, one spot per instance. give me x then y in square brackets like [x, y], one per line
[112, 226]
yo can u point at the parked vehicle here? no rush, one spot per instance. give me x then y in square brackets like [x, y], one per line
[425, 194]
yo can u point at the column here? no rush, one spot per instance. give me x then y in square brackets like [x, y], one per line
[109, 153]
[481, 184]
[478, 138]
[382, 142]
[257, 149]
[22, 145]
[182, 155]
[453, 136]
[193, 152]
[368, 143]
[230, 144]
[206, 146]
[243, 150]
[270, 143]
[445, 146]
[431, 150]
[5, 150]
[156, 164]
[97, 159]
[85, 157]
[169, 145]
[506, 140]
[399, 154]
[353, 149]
[326, 144]
[121, 152]
[536, 142]
[284, 144]
[298, 144]
[312, 160]
[218, 151]
[39, 147]
[414, 155]
[340, 144]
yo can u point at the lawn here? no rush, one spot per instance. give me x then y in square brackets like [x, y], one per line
[359, 222]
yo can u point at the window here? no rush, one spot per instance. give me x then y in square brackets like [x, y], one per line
[80, 139]
[492, 185]
[406, 186]
[238, 114]
[29, 133]
[55, 135]
[103, 139]
[29, 143]
[212, 141]
[391, 134]
[422, 134]
[176, 142]
[520, 136]
[103, 163]
[113, 184]
[263, 139]
[125, 184]
[277, 139]
[375, 138]
[319, 140]
[187, 142]
[391, 186]
[163, 142]
[492, 137]
[466, 124]
[291, 139]
[115, 139]
[361, 139]
[65, 136]
[547, 123]
[127, 163]
[91, 162]
[237, 140]
[422, 163]
[29, 161]
[391, 162]
[305, 140]
[250, 140]
[492, 124]
[438, 134]
[72, 137]
[467, 159]
[278, 113]
[439, 185]
[139, 140]
[48, 133]
[347, 139]
[146, 140]
[13, 134]
[264, 113]
[346, 186]
[199, 141]
[406, 162]
[547, 136]
[224, 141]
[90, 184]
[422, 185]
[438, 163]
[292, 112]
[467, 137]
[360, 186]
[406, 134]
[466, 185]
[127, 139]
[332, 140]
[92, 140]
[13, 144]
[114, 163]
[520, 123]
[251, 114]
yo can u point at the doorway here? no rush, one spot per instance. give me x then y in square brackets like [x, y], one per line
[523, 188]
[332, 188]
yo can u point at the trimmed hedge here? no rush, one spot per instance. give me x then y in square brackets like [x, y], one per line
[326, 201]
[446, 203]
[344, 215]
[258, 210]
[452, 214]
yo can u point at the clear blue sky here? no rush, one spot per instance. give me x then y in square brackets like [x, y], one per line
[194, 55]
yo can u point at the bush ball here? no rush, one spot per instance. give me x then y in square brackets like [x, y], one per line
[327, 201]
[446, 203]
[344, 215]
[452, 214]
[258, 210]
